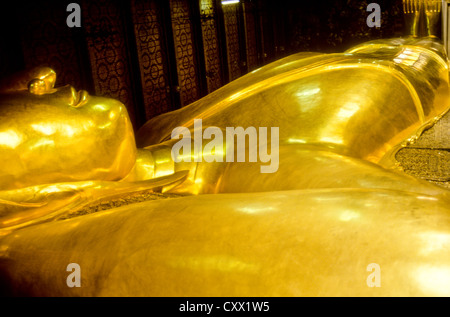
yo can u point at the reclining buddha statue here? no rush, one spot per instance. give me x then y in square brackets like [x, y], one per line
[332, 203]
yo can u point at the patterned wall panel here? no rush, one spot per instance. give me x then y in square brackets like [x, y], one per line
[210, 44]
[152, 56]
[106, 39]
[232, 37]
[251, 36]
[266, 31]
[47, 41]
[185, 52]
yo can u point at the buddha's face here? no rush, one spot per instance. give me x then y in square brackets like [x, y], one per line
[50, 135]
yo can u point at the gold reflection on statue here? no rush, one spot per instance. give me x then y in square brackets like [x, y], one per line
[337, 202]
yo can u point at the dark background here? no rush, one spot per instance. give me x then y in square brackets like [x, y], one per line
[157, 56]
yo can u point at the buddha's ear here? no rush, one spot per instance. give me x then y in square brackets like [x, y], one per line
[20, 80]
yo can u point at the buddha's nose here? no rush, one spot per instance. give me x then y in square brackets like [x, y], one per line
[65, 95]
[69, 95]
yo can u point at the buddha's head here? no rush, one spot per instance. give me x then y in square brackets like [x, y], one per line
[50, 135]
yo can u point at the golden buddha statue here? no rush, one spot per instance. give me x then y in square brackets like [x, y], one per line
[334, 203]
